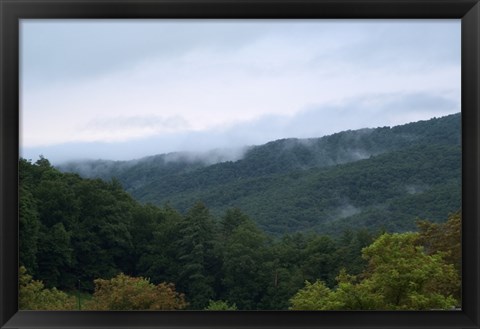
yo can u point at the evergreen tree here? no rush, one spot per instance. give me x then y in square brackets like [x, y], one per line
[157, 244]
[29, 227]
[320, 261]
[243, 266]
[32, 295]
[55, 257]
[233, 218]
[196, 256]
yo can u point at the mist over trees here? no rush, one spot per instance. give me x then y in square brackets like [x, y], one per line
[348, 179]
[276, 230]
[107, 244]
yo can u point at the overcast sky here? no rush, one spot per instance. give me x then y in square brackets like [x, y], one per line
[126, 89]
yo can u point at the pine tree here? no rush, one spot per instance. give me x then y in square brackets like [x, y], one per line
[196, 256]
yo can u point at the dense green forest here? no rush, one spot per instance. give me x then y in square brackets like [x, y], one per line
[357, 220]
[323, 184]
[75, 230]
[89, 238]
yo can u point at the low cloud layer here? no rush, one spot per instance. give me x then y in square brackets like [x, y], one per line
[124, 90]
[227, 142]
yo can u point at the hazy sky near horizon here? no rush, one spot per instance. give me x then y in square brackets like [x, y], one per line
[126, 89]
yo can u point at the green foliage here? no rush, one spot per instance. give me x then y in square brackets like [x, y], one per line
[349, 252]
[445, 238]
[220, 305]
[320, 260]
[407, 277]
[65, 219]
[351, 178]
[282, 274]
[232, 220]
[55, 256]
[102, 230]
[399, 276]
[156, 249]
[124, 293]
[243, 256]
[313, 297]
[353, 295]
[82, 234]
[196, 256]
[34, 296]
[29, 226]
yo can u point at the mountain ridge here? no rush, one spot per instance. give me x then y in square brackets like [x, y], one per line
[267, 167]
[108, 168]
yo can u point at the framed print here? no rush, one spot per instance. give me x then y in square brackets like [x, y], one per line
[244, 164]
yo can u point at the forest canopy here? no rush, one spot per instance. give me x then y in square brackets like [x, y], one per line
[87, 244]
[368, 178]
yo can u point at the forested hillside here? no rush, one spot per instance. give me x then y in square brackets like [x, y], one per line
[74, 230]
[383, 177]
[92, 246]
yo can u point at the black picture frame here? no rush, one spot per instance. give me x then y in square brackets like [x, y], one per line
[11, 11]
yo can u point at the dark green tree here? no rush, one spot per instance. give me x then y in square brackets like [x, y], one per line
[102, 231]
[157, 244]
[282, 275]
[29, 226]
[320, 261]
[196, 256]
[55, 257]
[233, 218]
[243, 266]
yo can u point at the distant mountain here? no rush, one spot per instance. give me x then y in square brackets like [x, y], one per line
[383, 177]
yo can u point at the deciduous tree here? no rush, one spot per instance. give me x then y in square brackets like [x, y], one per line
[34, 296]
[134, 293]
[399, 276]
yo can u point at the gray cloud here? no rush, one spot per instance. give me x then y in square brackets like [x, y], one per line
[124, 71]
[393, 42]
[70, 50]
[368, 111]
[60, 51]
[137, 122]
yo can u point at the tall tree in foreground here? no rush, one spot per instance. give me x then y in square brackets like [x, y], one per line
[407, 277]
[243, 266]
[445, 239]
[320, 259]
[129, 293]
[282, 275]
[155, 234]
[55, 257]
[196, 256]
[220, 305]
[34, 296]
[399, 276]
[29, 226]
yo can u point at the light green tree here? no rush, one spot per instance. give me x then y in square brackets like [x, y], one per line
[399, 276]
[407, 277]
[134, 293]
[220, 305]
[34, 296]
[314, 296]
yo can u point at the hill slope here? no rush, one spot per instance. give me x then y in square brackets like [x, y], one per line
[369, 177]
